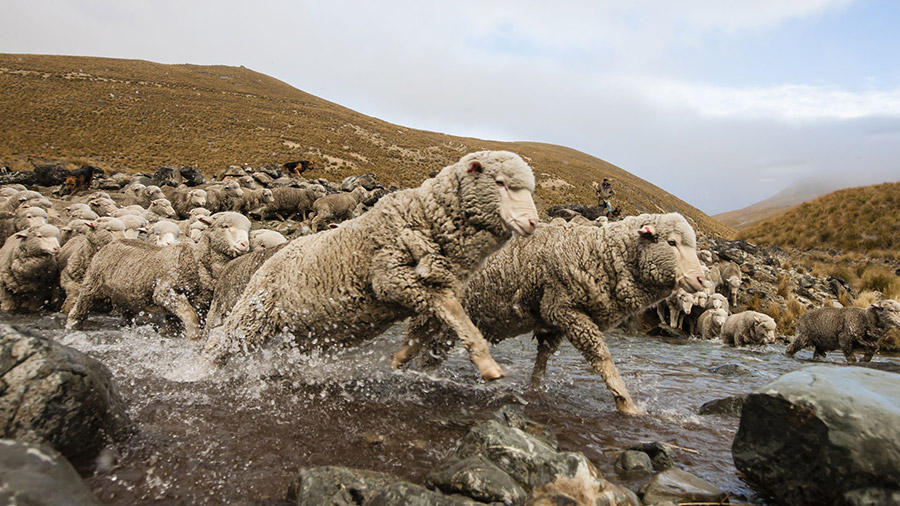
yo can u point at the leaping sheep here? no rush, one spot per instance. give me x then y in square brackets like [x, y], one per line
[573, 282]
[411, 254]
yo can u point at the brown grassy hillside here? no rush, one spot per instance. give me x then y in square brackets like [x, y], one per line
[864, 220]
[136, 116]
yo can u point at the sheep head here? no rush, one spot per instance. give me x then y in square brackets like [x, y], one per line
[197, 198]
[32, 216]
[228, 233]
[39, 241]
[498, 184]
[887, 313]
[764, 329]
[668, 243]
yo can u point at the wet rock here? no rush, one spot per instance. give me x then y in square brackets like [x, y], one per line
[367, 181]
[478, 478]
[734, 370]
[729, 406]
[342, 486]
[263, 178]
[513, 416]
[678, 487]
[576, 492]
[659, 454]
[822, 435]
[50, 393]
[280, 181]
[663, 330]
[38, 475]
[632, 462]
[109, 184]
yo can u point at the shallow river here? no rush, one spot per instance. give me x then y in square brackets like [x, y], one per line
[241, 433]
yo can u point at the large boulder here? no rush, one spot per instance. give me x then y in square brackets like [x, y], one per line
[37, 475]
[53, 394]
[679, 486]
[823, 435]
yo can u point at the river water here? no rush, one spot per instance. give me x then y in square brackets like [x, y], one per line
[240, 434]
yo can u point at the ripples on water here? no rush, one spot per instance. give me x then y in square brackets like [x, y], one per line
[241, 433]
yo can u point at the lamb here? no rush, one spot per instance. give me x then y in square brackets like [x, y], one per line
[831, 328]
[254, 200]
[76, 254]
[690, 320]
[164, 233]
[262, 239]
[336, 207]
[718, 301]
[180, 279]
[223, 197]
[731, 281]
[289, 201]
[748, 327]
[574, 282]
[412, 253]
[709, 325]
[28, 268]
[676, 305]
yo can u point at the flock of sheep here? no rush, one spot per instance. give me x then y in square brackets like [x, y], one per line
[461, 256]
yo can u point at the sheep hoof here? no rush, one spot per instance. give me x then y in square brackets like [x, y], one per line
[629, 408]
[491, 371]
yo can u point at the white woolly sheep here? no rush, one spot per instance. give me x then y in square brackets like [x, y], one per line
[573, 282]
[222, 197]
[21, 219]
[133, 192]
[731, 281]
[263, 238]
[135, 275]
[709, 326]
[830, 328]
[748, 327]
[162, 208]
[254, 200]
[678, 304]
[164, 233]
[135, 226]
[290, 201]
[718, 301]
[103, 206]
[335, 207]
[75, 255]
[28, 268]
[410, 254]
[184, 199]
[74, 228]
[81, 211]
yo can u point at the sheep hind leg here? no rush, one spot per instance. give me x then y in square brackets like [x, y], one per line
[177, 304]
[548, 343]
[417, 332]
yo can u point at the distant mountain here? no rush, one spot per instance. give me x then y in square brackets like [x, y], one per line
[136, 116]
[863, 220]
[797, 193]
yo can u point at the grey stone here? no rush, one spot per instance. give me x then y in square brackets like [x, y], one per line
[38, 475]
[658, 453]
[263, 178]
[734, 370]
[513, 416]
[50, 393]
[729, 406]
[633, 462]
[678, 486]
[478, 478]
[820, 432]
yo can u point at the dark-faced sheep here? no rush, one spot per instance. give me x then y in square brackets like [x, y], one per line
[28, 268]
[179, 279]
[844, 329]
[411, 254]
[748, 327]
[573, 282]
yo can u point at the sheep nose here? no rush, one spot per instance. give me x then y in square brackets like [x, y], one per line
[243, 246]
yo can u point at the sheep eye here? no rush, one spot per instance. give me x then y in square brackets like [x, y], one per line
[671, 242]
[501, 183]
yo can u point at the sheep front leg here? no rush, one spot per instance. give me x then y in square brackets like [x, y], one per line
[847, 347]
[447, 309]
[177, 304]
[417, 331]
[548, 343]
[587, 338]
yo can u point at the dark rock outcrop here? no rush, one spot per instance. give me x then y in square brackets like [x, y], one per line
[823, 435]
[37, 475]
[53, 394]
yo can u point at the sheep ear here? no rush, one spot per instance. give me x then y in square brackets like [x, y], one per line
[474, 166]
[648, 232]
[206, 219]
[90, 224]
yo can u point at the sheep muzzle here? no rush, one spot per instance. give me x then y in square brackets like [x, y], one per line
[517, 210]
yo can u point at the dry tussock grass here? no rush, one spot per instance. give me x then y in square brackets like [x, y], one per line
[135, 116]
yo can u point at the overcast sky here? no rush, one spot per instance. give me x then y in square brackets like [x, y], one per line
[720, 102]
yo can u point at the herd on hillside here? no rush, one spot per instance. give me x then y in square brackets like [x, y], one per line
[462, 257]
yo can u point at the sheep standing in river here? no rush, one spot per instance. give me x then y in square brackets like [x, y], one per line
[135, 275]
[573, 282]
[28, 268]
[412, 253]
[748, 327]
[831, 328]
[76, 254]
[731, 281]
[709, 325]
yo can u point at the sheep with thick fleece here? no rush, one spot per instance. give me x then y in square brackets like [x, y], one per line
[159, 209]
[184, 199]
[264, 238]
[335, 207]
[135, 275]
[678, 304]
[28, 268]
[748, 327]
[289, 201]
[832, 328]
[412, 253]
[164, 233]
[574, 282]
[75, 255]
[22, 218]
[731, 281]
[81, 211]
[222, 197]
[135, 225]
[709, 325]
[253, 200]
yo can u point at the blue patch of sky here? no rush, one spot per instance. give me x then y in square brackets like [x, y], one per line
[856, 48]
[506, 39]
